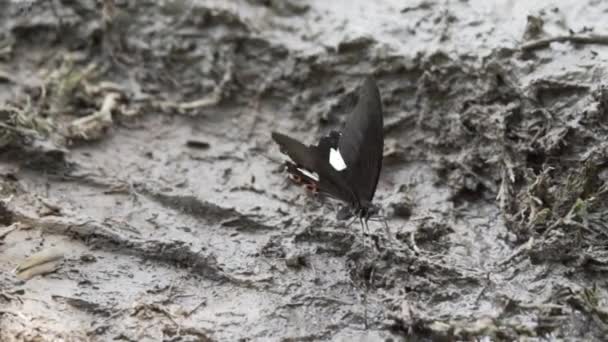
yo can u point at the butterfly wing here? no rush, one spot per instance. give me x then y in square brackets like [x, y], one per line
[311, 163]
[362, 142]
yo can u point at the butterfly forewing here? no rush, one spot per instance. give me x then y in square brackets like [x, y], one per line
[362, 142]
[301, 154]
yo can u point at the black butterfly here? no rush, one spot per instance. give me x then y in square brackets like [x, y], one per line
[345, 165]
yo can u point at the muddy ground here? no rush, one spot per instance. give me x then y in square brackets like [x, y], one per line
[143, 200]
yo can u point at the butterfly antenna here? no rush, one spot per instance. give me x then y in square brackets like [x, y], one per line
[365, 306]
[378, 218]
[364, 231]
[386, 228]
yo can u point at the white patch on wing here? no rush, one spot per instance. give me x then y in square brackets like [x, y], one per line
[335, 160]
[309, 174]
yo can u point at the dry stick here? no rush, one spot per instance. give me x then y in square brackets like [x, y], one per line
[189, 313]
[483, 291]
[484, 181]
[413, 242]
[518, 251]
[7, 230]
[209, 100]
[542, 43]
[5, 76]
[93, 125]
[327, 299]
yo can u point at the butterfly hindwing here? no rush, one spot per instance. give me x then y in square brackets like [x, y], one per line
[313, 160]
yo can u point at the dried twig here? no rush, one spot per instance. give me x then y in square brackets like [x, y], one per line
[578, 39]
[201, 304]
[92, 126]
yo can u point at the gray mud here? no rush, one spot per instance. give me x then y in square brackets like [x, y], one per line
[136, 144]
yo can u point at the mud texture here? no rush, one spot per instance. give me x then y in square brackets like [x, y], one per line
[141, 197]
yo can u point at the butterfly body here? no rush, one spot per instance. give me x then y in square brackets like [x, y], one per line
[344, 165]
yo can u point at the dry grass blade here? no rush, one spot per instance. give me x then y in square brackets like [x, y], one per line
[43, 262]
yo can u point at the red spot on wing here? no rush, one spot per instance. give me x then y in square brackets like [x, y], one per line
[301, 179]
[296, 178]
[312, 187]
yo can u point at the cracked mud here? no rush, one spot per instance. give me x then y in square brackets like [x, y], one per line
[142, 199]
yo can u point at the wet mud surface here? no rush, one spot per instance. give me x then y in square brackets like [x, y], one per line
[142, 198]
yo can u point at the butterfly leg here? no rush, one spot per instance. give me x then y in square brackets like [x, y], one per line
[362, 230]
[374, 238]
[364, 226]
[351, 222]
